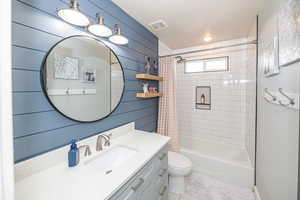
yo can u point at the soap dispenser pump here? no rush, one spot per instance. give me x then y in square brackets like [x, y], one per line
[73, 155]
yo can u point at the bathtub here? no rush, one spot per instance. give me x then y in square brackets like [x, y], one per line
[227, 162]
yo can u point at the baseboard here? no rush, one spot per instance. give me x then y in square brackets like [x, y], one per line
[257, 196]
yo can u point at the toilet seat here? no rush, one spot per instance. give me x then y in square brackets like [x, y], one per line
[179, 165]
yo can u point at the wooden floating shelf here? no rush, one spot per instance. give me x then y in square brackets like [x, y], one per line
[148, 77]
[148, 95]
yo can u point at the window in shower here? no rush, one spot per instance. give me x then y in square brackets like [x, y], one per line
[207, 65]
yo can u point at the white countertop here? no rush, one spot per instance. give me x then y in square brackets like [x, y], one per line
[59, 182]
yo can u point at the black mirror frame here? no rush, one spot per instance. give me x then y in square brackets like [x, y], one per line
[43, 79]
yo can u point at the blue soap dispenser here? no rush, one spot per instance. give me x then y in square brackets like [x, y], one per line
[73, 154]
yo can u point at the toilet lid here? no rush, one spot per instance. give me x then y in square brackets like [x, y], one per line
[178, 160]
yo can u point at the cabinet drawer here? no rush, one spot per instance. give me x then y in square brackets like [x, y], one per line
[125, 192]
[133, 187]
[127, 195]
[161, 179]
[163, 192]
[132, 191]
[147, 172]
[161, 158]
[150, 183]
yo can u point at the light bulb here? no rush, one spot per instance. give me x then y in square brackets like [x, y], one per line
[207, 38]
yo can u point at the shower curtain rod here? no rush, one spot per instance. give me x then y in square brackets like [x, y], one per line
[210, 49]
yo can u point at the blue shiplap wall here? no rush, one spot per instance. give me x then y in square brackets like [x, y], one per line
[38, 128]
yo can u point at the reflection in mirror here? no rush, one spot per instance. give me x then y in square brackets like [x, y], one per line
[83, 79]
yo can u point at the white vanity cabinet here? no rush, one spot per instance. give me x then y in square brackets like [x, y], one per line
[137, 162]
[150, 183]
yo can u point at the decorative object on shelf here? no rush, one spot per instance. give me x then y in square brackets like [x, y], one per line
[289, 33]
[66, 67]
[155, 66]
[147, 65]
[145, 87]
[117, 37]
[89, 76]
[282, 98]
[73, 15]
[203, 97]
[270, 56]
[99, 28]
[153, 90]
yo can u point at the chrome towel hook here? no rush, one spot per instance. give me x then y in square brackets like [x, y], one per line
[274, 98]
[291, 100]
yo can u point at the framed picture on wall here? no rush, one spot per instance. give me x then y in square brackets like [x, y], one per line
[89, 75]
[289, 33]
[203, 97]
[270, 57]
[66, 68]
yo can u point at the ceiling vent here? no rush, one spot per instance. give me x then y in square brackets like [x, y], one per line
[158, 25]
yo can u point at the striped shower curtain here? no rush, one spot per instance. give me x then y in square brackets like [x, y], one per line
[167, 115]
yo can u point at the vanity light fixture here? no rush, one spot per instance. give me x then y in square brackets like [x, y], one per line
[73, 15]
[100, 29]
[117, 37]
[207, 38]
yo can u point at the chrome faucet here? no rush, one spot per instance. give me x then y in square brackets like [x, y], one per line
[99, 146]
[87, 151]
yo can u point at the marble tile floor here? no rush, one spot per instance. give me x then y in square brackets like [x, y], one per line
[203, 187]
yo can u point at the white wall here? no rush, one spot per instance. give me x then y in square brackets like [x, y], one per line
[226, 121]
[278, 127]
[163, 49]
[6, 133]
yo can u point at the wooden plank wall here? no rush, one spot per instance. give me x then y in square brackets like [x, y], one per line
[38, 128]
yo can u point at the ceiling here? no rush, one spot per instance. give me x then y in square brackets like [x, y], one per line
[190, 20]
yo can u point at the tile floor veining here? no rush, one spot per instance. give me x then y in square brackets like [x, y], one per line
[203, 187]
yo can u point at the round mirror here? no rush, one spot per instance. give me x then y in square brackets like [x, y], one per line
[83, 79]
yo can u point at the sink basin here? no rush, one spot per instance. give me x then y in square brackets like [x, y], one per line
[110, 159]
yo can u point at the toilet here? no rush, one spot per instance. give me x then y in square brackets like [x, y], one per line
[179, 166]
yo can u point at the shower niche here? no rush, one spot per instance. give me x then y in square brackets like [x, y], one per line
[203, 97]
